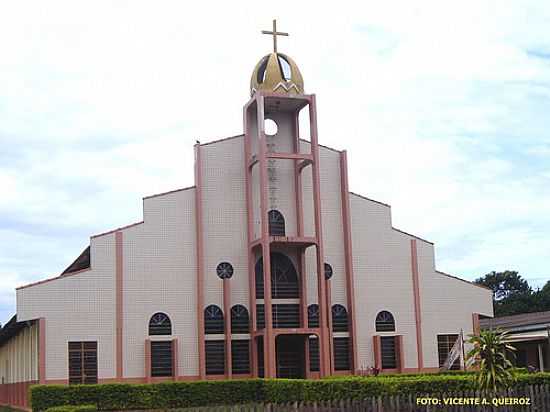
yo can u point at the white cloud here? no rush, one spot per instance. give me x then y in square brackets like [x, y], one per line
[440, 105]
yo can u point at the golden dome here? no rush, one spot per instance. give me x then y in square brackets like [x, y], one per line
[277, 73]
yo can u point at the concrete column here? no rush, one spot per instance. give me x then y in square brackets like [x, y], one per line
[541, 357]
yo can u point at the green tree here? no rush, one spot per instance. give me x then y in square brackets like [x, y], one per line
[511, 293]
[491, 354]
[504, 284]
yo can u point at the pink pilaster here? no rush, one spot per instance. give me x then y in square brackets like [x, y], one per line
[147, 360]
[377, 351]
[324, 342]
[175, 359]
[42, 350]
[417, 307]
[227, 326]
[250, 238]
[348, 255]
[476, 330]
[119, 303]
[269, 339]
[200, 261]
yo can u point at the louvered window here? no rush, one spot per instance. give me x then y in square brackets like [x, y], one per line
[314, 354]
[161, 358]
[260, 316]
[284, 278]
[215, 357]
[286, 316]
[82, 362]
[341, 354]
[240, 356]
[389, 357]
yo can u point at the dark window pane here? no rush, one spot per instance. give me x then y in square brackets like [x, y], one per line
[286, 316]
[160, 324]
[339, 318]
[224, 270]
[240, 356]
[328, 271]
[444, 345]
[213, 320]
[82, 362]
[314, 354]
[385, 322]
[341, 354]
[239, 319]
[215, 357]
[389, 360]
[161, 358]
[284, 278]
[260, 352]
[260, 316]
[276, 223]
[313, 316]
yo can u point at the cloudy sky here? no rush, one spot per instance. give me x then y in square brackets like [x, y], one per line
[444, 108]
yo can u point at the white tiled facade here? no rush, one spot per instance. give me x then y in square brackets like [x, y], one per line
[152, 267]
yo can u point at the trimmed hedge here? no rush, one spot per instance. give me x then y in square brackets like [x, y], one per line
[170, 395]
[71, 408]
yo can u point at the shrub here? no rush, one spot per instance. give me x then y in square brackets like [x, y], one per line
[170, 395]
[491, 354]
[71, 408]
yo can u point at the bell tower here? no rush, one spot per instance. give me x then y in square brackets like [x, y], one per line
[271, 162]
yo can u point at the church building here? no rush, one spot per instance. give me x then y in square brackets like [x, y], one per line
[268, 266]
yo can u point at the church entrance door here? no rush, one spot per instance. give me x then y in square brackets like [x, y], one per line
[290, 351]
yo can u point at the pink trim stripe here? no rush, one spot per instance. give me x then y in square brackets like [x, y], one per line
[42, 350]
[324, 310]
[348, 253]
[227, 326]
[119, 280]
[200, 255]
[417, 307]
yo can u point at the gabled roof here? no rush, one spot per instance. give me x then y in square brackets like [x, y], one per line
[81, 262]
[519, 321]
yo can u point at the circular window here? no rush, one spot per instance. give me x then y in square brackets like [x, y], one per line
[270, 127]
[328, 271]
[224, 270]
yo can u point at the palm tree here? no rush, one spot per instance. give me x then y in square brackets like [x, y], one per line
[491, 354]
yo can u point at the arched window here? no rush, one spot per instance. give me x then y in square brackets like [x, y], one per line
[239, 319]
[284, 278]
[313, 315]
[339, 318]
[160, 324]
[385, 322]
[213, 320]
[276, 223]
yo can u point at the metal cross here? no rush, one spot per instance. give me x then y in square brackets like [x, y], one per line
[274, 33]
